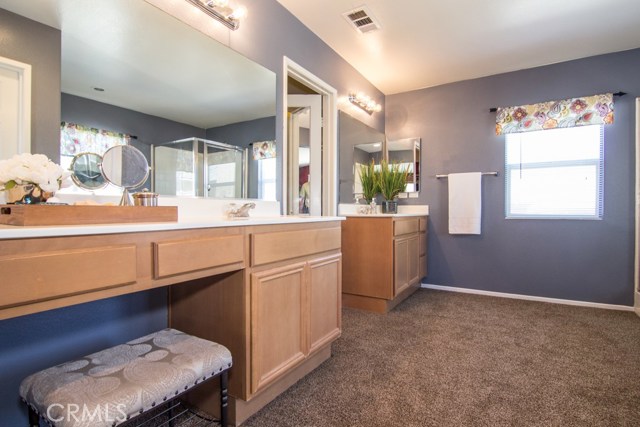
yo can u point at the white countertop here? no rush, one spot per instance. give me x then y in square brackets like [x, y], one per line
[351, 209]
[192, 213]
[381, 215]
[18, 232]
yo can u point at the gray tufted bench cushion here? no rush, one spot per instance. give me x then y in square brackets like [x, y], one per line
[130, 378]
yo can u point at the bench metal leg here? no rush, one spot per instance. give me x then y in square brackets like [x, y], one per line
[34, 419]
[224, 379]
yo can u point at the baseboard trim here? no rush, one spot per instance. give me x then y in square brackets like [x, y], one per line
[529, 298]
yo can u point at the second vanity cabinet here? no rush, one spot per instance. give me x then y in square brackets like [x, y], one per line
[385, 258]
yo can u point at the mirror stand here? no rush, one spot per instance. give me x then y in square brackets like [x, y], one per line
[126, 198]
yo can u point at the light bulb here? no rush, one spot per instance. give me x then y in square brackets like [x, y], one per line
[239, 13]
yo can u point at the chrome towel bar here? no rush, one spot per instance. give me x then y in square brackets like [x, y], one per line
[483, 173]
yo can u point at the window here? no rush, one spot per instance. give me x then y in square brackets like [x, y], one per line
[267, 179]
[556, 173]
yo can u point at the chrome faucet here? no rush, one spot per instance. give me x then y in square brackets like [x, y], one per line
[239, 212]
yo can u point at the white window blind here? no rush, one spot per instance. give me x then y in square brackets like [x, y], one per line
[556, 173]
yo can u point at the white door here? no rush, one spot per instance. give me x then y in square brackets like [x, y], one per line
[305, 136]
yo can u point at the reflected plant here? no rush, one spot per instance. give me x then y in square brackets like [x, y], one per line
[369, 182]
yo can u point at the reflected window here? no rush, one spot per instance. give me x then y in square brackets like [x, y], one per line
[267, 179]
[76, 139]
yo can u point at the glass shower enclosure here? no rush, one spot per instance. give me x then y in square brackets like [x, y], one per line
[199, 167]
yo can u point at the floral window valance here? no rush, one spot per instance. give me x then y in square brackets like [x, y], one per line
[588, 110]
[75, 139]
[264, 150]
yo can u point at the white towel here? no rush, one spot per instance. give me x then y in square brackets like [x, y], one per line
[465, 203]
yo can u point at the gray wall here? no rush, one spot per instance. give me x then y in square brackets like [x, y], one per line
[570, 259]
[36, 44]
[148, 129]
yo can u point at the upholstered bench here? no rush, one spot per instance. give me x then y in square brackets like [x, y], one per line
[118, 384]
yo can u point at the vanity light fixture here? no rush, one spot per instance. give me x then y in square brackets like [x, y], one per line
[221, 11]
[365, 102]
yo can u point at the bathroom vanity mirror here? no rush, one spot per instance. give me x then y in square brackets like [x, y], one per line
[358, 144]
[406, 153]
[86, 173]
[130, 67]
[126, 167]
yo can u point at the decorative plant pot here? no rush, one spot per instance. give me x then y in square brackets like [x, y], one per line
[390, 206]
[26, 194]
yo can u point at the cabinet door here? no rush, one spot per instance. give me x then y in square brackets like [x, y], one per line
[325, 292]
[406, 259]
[413, 259]
[400, 265]
[278, 331]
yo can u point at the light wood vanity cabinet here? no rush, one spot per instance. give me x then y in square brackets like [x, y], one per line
[385, 258]
[290, 302]
[269, 293]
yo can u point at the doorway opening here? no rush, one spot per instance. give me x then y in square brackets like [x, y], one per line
[310, 143]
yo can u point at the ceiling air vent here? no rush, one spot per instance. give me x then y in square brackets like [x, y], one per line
[362, 20]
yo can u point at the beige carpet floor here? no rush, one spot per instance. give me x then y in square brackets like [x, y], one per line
[446, 359]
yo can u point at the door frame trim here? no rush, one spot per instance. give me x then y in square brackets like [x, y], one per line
[329, 134]
[636, 281]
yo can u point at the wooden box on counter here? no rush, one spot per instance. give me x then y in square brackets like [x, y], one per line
[33, 215]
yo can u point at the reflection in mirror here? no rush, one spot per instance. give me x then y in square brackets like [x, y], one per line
[356, 141]
[363, 154]
[86, 173]
[126, 167]
[145, 73]
[406, 153]
[199, 167]
[300, 159]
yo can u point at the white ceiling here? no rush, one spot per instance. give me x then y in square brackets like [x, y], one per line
[150, 62]
[425, 43]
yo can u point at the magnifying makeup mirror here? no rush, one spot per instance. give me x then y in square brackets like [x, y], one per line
[126, 167]
[86, 173]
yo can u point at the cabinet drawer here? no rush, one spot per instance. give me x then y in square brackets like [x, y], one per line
[48, 275]
[279, 246]
[405, 226]
[184, 256]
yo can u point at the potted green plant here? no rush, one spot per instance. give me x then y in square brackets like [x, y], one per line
[369, 182]
[392, 180]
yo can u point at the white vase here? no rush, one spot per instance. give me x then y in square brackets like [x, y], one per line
[26, 194]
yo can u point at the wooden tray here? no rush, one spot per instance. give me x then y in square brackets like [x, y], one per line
[78, 215]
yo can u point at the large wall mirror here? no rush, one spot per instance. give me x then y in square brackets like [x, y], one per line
[406, 153]
[130, 67]
[360, 144]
